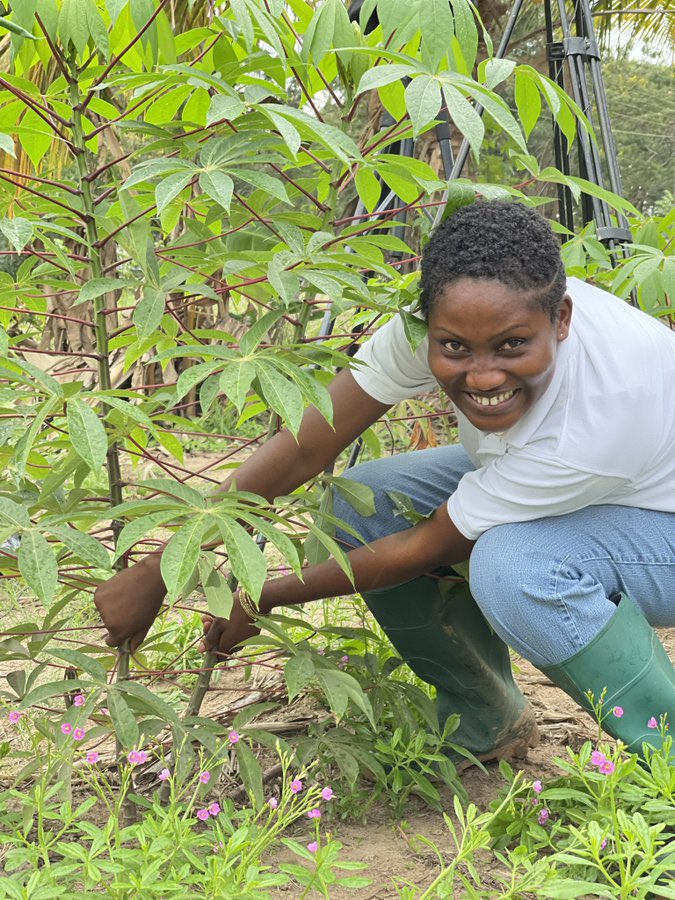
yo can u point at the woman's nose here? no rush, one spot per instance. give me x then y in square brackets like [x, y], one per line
[485, 377]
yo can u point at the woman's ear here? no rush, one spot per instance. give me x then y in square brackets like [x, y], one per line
[563, 318]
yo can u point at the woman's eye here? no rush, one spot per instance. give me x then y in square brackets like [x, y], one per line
[513, 343]
[454, 346]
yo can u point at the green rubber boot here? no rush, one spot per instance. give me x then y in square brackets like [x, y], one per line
[627, 659]
[441, 633]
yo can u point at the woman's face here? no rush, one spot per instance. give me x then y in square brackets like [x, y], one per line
[492, 351]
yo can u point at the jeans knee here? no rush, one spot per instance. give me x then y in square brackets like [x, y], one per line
[496, 572]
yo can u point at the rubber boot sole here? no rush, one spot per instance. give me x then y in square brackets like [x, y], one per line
[522, 737]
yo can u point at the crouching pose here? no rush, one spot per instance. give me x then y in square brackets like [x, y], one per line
[561, 494]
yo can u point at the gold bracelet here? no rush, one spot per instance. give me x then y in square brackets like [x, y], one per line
[246, 603]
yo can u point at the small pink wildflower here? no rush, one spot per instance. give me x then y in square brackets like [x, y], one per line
[143, 756]
[603, 844]
[327, 793]
[343, 661]
[78, 700]
[205, 777]
[132, 757]
[273, 803]
[219, 846]
[136, 757]
[14, 716]
[606, 767]
[296, 786]
[651, 724]
[202, 814]
[313, 846]
[105, 711]
[214, 809]
[66, 728]
[543, 816]
[618, 711]
[537, 787]
[597, 758]
[164, 775]
[234, 737]
[314, 814]
[92, 757]
[79, 734]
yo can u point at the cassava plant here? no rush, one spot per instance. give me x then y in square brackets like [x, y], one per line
[184, 201]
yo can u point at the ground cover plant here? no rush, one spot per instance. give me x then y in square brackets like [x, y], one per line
[188, 192]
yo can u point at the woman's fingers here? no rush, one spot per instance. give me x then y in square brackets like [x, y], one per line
[213, 628]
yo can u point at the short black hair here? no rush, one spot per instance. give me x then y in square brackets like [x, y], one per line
[497, 240]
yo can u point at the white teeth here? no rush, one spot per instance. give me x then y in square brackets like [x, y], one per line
[492, 401]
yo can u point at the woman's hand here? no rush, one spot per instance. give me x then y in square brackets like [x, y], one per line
[130, 600]
[222, 635]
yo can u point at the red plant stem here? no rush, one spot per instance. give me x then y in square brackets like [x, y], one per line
[169, 468]
[287, 22]
[100, 243]
[215, 237]
[24, 187]
[56, 53]
[430, 205]
[56, 184]
[39, 110]
[115, 59]
[262, 221]
[319, 205]
[307, 94]
[110, 122]
[206, 49]
[49, 315]
[59, 352]
[92, 176]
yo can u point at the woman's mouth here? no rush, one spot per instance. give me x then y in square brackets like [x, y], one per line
[493, 400]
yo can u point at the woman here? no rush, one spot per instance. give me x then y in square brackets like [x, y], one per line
[561, 495]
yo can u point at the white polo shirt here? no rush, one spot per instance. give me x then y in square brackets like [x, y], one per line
[602, 432]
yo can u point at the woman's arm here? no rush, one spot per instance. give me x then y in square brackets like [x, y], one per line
[392, 560]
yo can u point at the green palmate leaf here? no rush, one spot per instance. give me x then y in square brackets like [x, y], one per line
[169, 188]
[340, 688]
[82, 661]
[250, 771]
[14, 513]
[257, 332]
[37, 565]
[7, 144]
[175, 489]
[330, 27]
[493, 71]
[224, 106]
[360, 496]
[280, 394]
[148, 314]
[276, 537]
[466, 32]
[53, 689]
[436, 25]
[416, 329]
[181, 555]
[500, 112]
[219, 187]
[18, 231]
[217, 591]
[17, 29]
[368, 187]
[97, 28]
[528, 101]
[99, 286]
[83, 545]
[134, 531]
[272, 186]
[298, 672]
[236, 380]
[25, 444]
[124, 721]
[192, 376]
[382, 75]
[423, 101]
[288, 132]
[465, 117]
[246, 559]
[87, 433]
[73, 24]
[147, 700]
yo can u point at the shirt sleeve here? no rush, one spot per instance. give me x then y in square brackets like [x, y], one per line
[389, 370]
[521, 487]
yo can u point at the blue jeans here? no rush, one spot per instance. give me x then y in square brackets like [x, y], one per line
[549, 586]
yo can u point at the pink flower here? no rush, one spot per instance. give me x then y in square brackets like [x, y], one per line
[343, 662]
[202, 814]
[327, 793]
[234, 737]
[314, 814]
[214, 809]
[136, 757]
[105, 711]
[79, 734]
[273, 803]
[618, 711]
[78, 700]
[603, 844]
[14, 716]
[92, 757]
[651, 724]
[66, 728]
[597, 758]
[313, 846]
[606, 767]
[164, 775]
[543, 816]
[537, 787]
[296, 786]
[205, 777]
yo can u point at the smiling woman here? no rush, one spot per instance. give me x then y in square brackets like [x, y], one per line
[562, 492]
